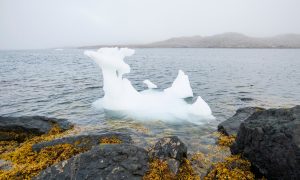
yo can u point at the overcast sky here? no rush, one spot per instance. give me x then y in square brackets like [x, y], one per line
[29, 24]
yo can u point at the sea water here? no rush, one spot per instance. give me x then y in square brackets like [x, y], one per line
[65, 83]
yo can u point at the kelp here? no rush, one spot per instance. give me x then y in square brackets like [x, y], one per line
[159, 170]
[27, 163]
[110, 140]
[234, 167]
[186, 171]
[224, 140]
[8, 146]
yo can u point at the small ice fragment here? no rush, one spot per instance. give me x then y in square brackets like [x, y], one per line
[149, 84]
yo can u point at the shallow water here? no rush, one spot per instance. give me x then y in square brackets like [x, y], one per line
[64, 84]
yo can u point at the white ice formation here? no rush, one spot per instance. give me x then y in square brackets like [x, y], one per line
[122, 99]
[150, 84]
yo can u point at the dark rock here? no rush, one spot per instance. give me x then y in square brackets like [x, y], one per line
[169, 147]
[85, 141]
[231, 125]
[270, 139]
[36, 125]
[110, 161]
[246, 99]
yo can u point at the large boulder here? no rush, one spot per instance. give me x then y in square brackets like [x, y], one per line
[109, 162]
[231, 125]
[270, 139]
[84, 141]
[17, 128]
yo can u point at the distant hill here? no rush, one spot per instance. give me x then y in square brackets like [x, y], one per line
[226, 40]
[231, 40]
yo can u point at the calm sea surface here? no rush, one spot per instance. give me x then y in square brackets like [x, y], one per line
[63, 84]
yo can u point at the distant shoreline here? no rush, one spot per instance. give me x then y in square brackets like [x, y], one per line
[86, 48]
[97, 47]
[219, 41]
[226, 40]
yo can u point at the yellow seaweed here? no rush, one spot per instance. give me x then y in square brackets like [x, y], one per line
[110, 140]
[28, 163]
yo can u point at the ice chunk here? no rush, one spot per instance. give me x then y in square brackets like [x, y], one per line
[121, 99]
[181, 87]
[149, 84]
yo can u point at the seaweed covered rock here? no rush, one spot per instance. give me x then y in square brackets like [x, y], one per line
[19, 128]
[233, 167]
[170, 149]
[109, 161]
[231, 126]
[25, 163]
[168, 160]
[270, 139]
[86, 141]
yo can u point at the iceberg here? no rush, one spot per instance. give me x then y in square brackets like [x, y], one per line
[121, 99]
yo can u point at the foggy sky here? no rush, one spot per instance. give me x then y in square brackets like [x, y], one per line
[31, 24]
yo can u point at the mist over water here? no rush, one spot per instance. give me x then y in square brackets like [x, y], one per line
[65, 83]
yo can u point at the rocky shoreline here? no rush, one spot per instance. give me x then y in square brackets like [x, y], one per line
[265, 143]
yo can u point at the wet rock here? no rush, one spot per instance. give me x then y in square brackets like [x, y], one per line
[270, 139]
[169, 147]
[26, 125]
[246, 99]
[231, 125]
[109, 161]
[84, 141]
